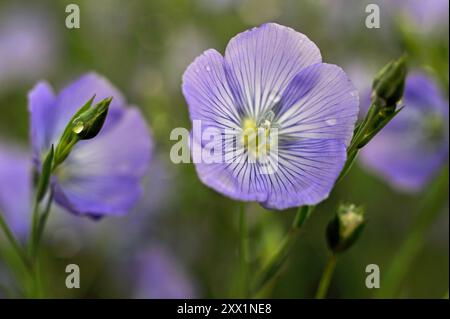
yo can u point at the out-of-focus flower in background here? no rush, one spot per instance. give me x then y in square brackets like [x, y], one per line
[272, 76]
[15, 188]
[72, 233]
[157, 274]
[28, 45]
[423, 16]
[101, 176]
[411, 149]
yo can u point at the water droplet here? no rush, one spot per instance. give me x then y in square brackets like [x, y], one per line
[78, 127]
[354, 93]
[208, 68]
[274, 98]
[331, 122]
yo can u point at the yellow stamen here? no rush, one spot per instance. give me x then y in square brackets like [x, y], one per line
[252, 137]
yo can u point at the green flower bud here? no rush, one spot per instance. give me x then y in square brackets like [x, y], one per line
[388, 85]
[89, 123]
[345, 228]
[387, 91]
[85, 124]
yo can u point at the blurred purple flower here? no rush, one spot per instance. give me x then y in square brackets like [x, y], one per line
[426, 15]
[101, 176]
[274, 76]
[157, 275]
[70, 233]
[412, 148]
[28, 44]
[15, 189]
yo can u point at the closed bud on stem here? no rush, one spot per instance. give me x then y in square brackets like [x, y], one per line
[387, 91]
[345, 228]
[388, 85]
[85, 124]
[89, 123]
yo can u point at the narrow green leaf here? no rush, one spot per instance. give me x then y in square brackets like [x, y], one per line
[46, 172]
[302, 215]
[366, 139]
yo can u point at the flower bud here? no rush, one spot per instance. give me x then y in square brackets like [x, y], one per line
[388, 85]
[387, 91]
[89, 123]
[85, 124]
[345, 228]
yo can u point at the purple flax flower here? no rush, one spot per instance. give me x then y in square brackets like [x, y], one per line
[101, 176]
[273, 77]
[412, 148]
[15, 189]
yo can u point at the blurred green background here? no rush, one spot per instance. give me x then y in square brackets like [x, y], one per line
[143, 47]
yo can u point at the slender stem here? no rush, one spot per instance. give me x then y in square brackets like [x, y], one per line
[38, 232]
[302, 215]
[358, 137]
[243, 250]
[326, 277]
[38, 224]
[34, 223]
[15, 245]
[38, 279]
[42, 188]
[273, 267]
[351, 157]
[43, 220]
[404, 258]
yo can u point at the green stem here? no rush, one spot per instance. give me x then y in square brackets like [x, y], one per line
[38, 225]
[15, 245]
[39, 293]
[42, 188]
[429, 209]
[352, 150]
[326, 277]
[43, 220]
[351, 157]
[34, 223]
[38, 232]
[274, 265]
[243, 250]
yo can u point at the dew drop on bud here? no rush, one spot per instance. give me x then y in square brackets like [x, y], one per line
[78, 128]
